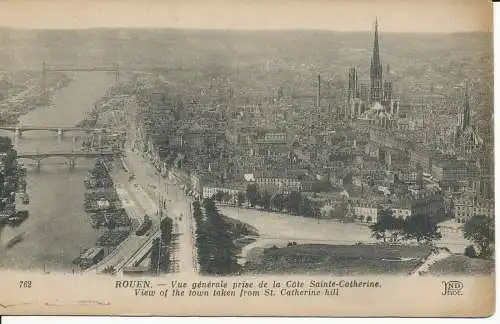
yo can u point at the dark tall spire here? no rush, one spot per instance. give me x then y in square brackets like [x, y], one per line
[353, 83]
[318, 94]
[466, 120]
[376, 69]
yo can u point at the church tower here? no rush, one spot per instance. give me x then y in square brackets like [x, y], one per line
[376, 89]
[467, 139]
[353, 91]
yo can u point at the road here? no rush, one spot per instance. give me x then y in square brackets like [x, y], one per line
[139, 197]
[178, 207]
[137, 204]
[431, 259]
[151, 191]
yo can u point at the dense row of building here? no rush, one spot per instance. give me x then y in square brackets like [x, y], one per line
[366, 152]
[12, 179]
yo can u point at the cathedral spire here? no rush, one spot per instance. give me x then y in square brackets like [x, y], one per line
[376, 54]
[376, 69]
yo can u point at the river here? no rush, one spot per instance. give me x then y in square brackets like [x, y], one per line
[57, 228]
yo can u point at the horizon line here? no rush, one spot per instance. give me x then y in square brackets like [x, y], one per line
[213, 29]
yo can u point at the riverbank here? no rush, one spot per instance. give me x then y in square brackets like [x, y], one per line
[13, 180]
[104, 210]
[31, 98]
[12, 107]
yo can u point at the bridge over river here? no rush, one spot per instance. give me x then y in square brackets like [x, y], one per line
[60, 130]
[71, 156]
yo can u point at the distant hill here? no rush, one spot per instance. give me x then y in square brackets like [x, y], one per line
[195, 48]
[264, 59]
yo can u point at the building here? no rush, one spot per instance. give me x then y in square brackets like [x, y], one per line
[364, 92]
[380, 99]
[372, 150]
[484, 186]
[401, 207]
[423, 158]
[377, 116]
[336, 179]
[454, 170]
[209, 192]
[428, 203]
[465, 208]
[467, 140]
[408, 175]
[364, 210]
[91, 256]
[272, 144]
[396, 159]
[401, 212]
[355, 105]
[196, 185]
[353, 90]
[278, 184]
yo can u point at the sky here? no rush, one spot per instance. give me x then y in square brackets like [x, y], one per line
[426, 16]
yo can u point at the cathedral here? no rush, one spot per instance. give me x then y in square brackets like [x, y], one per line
[378, 107]
[467, 140]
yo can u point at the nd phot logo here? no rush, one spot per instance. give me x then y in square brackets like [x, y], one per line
[452, 288]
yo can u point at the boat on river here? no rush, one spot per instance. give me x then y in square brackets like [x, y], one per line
[15, 240]
[18, 218]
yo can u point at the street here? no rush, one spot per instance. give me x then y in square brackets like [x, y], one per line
[135, 202]
[178, 207]
[145, 193]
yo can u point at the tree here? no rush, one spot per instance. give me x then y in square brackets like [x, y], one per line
[293, 202]
[109, 270]
[252, 194]
[321, 186]
[166, 229]
[155, 256]
[307, 208]
[385, 222]
[216, 249]
[421, 227]
[111, 223]
[480, 229]
[278, 202]
[226, 197]
[159, 257]
[397, 229]
[5, 143]
[265, 200]
[219, 195]
[369, 219]
[470, 251]
[240, 198]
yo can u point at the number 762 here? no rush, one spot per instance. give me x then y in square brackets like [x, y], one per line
[25, 284]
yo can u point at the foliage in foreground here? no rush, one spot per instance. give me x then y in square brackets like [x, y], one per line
[417, 227]
[480, 230]
[216, 250]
